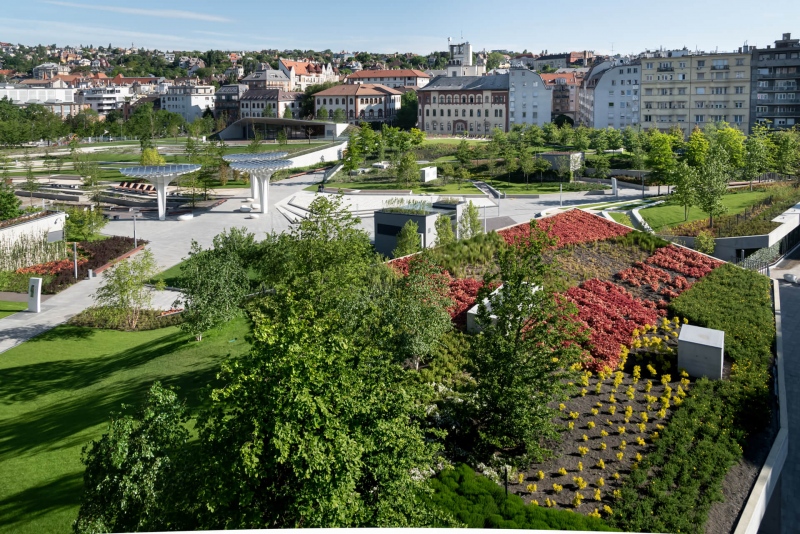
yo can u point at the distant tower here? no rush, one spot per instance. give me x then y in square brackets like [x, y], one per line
[460, 62]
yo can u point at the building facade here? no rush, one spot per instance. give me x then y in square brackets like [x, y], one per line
[226, 101]
[686, 90]
[551, 61]
[464, 104]
[267, 79]
[529, 100]
[62, 102]
[270, 103]
[609, 95]
[105, 99]
[775, 77]
[390, 78]
[48, 70]
[563, 87]
[460, 62]
[189, 100]
[301, 74]
[360, 102]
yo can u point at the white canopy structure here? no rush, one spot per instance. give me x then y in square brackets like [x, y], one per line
[260, 173]
[234, 159]
[160, 176]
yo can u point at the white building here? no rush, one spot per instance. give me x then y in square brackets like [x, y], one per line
[105, 99]
[609, 95]
[48, 70]
[304, 73]
[460, 62]
[255, 102]
[191, 101]
[59, 101]
[390, 78]
[359, 102]
[529, 100]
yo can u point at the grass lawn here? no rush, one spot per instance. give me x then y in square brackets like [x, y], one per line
[452, 141]
[671, 215]
[170, 276]
[465, 188]
[56, 394]
[9, 308]
[621, 218]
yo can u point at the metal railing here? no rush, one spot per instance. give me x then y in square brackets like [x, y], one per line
[759, 266]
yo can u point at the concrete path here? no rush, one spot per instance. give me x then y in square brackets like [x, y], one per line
[790, 477]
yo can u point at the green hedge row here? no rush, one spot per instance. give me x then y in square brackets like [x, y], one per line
[678, 481]
[478, 502]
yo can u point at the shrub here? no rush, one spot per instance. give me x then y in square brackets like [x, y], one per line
[477, 502]
[705, 243]
[110, 319]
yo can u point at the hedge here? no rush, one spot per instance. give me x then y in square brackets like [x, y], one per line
[480, 503]
[679, 480]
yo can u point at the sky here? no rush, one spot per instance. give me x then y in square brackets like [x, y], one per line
[420, 26]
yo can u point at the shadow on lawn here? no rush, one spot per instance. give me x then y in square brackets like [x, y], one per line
[26, 382]
[39, 501]
[60, 425]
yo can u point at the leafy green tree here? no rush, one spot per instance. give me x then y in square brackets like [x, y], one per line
[685, 191]
[464, 153]
[406, 168]
[124, 290]
[462, 175]
[287, 113]
[705, 243]
[9, 202]
[581, 140]
[213, 285]
[282, 138]
[601, 167]
[339, 116]
[408, 241]
[409, 108]
[631, 139]
[133, 480]
[534, 136]
[447, 172]
[142, 125]
[524, 354]
[255, 146]
[787, 151]
[150, 156]
[660, 158]
[353, 157]
[563, 167]
[470, 223]
[269, 112]
[599, 141]
[322, 114]
[758, 153]
[494, 60]
[614, 138]
[552, 135]
[31, 183]
[731, 141]
[444, 230]
[510, 163]
[83, 224]
[712, 184]
[697, 148]
[527, 164]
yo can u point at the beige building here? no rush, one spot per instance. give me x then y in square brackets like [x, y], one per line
[692, 90]
[458, 104]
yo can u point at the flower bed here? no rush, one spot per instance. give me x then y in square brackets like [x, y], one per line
[574, 226]
[684, 261]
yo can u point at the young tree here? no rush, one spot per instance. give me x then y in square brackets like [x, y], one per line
[444, 230]
[660, 158]
[614, 138]
[448, 171]
[352, 158]
[563, 167]
[339, 115]
[552, 135]
[581, 140]
[631, 139]
[697, 148]
[408, 241]
[599, 141]
[83, 224]
[255, 146]
[712, 184]
[730, 141]
[685, 191]
[406, 168]
[463, 175]
[282, 138]
[322, 114]
[470, 223]
[534, 136]
[124, 290]
[510, 163]
[287, 113]
[269, 112]
[213, 284]
[464, 153]
[758, 153]
[787, 151]
[527, 164]
[31, 183]
[601, 167]
[150, 156]
[9, 202]
[524, 354]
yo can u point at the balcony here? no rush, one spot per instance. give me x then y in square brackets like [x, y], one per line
[720, 67]
[766, 114]
[665, 69]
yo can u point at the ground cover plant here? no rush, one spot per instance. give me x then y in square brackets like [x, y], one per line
[621, 218]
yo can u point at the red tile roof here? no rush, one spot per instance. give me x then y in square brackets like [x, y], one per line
[302, 67]
[360, 89]
[550, 79]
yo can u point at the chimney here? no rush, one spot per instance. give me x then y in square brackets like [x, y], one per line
[787, 36]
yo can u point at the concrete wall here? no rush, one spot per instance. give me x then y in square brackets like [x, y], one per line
[385, 243]
[320, 156]
[54, 222]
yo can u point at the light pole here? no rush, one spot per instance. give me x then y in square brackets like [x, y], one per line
[135, 212]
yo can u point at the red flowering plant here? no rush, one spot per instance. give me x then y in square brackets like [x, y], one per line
[684, 261]
[51, 267]
[570, 227]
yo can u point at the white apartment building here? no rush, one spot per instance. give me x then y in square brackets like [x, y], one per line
[105, 99]
[609, 95]
[529, 100]
[190, 101]
[390, 78]
[59, 101]
[301, 74]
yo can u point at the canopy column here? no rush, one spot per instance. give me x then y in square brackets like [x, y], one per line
[160, 176]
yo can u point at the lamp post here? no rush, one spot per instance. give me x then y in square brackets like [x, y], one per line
[135, 212]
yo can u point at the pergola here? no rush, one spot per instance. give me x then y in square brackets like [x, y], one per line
[260, 172]
[242, 163]
[160, 176]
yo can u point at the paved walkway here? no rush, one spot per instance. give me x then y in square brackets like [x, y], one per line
[790, 477]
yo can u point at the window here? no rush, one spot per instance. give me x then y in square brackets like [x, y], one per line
[719, 90]
[648, 118]
[427, 113]
[648, 92]
[699, 118]
[740, 74]
[738, 104]
[681, 90]
[701, 90]
[448, 112]
[738, 119]
[648, 77]
[701, 63]
[470, 113]
[739, 90]
[523, 114]
[701, 76]
[763, 83]
[479, 113]
[739, 61]
[648, 65]
[681, 64]
[761, 109]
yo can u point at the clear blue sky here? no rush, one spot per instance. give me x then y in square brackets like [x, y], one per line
[408, 25]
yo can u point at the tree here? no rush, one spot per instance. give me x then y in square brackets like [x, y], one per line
[444, 230]
[282, 138]
[660, 158]
[339, 116]
[697, 148]
[463, 175]
[470, 223]
[287, 113]
[213, 284]
[150, 156]
[464, 153]
[563, 167]
[322, 114]
[406, 168]
[631, 139]
[731, 141]
[408, 241]
[524, 354]
[614, 138]
[552, 135]
[509, 159]
[31, 184]
[132, 481]
[601, 167]
[141, 125]
[406, 117]
[83, 224]
[787, 151]
[352, 158]
[534, 136]
[255, 146]
[599, 141]
[494, 60]
[527, 164]
[581, 140]
[124, 290]
[685, 191]
[9, 202]
[447, 172]
[758, 153]
[712, 184]
[704, 242]
[269, 112]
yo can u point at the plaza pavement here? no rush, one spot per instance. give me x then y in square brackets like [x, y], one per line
[170, 240]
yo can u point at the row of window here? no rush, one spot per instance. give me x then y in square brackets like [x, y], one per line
[497, 113]
[682, 105]
[460, 126]
[738, 90]
[625, 82]
[463, 99]
[700, 63]
[737, 119]
[778, 96]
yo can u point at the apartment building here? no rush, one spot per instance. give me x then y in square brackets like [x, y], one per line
[301, 74]
[395, 78]
[460, 62]
[775, 77]
[609, 95]
[105, 99]
[256, 102]
[226, 101]
[367, 102]
[48, 70]
[267, 79]
[457, 104]
[529, 99]
[689, 90]
[189, 100]
[563, 87]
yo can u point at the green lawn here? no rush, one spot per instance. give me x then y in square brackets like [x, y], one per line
[9, 308]
[621, 218]
[56, 394]
[666, 215]
[170, 276]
